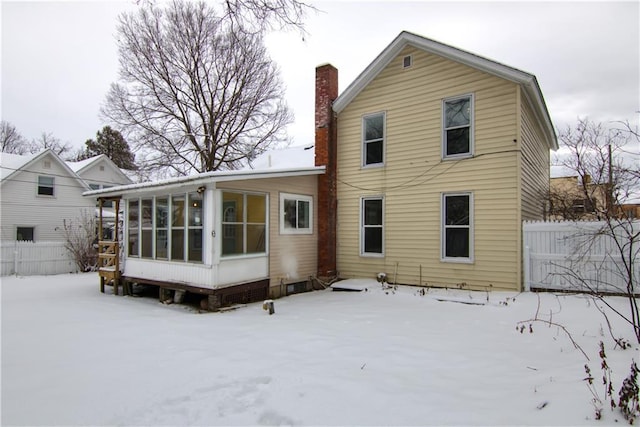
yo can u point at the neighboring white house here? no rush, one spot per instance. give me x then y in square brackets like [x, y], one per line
[39, 191]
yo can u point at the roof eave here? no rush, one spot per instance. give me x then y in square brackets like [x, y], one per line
[196, 180]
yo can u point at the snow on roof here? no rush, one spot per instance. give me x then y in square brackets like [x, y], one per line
[285, 158]
[204, 177]
[9, 163]
[81, 164]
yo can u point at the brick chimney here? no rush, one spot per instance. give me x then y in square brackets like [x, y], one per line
[325, 147]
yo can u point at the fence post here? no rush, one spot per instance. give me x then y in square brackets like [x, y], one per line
[15, 259]
[527, 268]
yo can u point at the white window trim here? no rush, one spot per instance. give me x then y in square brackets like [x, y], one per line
[443, 227]
[297, 198]
[362, 227]
[220, 224]
[363, 152]
[169, 228]
[471, 128]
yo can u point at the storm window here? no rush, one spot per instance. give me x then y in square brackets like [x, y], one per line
[45, 186]
[296, 214]
[457, 136]
[371, 226]
[373, 139]
[457, 227]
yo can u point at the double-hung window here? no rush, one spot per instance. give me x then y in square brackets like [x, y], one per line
[371, 226]
[373, 139]
[45, 185]
[296, 214]
[457, 227]
[457, 127]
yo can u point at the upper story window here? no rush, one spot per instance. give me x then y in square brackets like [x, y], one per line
[296, 214]
[373, 139]
[457, 227]
[45, 186]
[457, 127]
[371, 226]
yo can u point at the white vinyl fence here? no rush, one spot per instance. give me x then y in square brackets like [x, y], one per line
[35, 258]
[578, 256]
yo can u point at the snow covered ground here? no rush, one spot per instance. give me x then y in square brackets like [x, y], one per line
[74, 356]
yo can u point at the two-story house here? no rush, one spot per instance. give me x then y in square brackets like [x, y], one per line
[41, 190]
[439, 156]
[425, 168]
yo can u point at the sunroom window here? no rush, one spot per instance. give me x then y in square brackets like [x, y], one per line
[244, 218]
[167, 227]
[133, 228]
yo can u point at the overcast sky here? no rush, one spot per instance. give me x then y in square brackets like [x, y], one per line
[58, 58]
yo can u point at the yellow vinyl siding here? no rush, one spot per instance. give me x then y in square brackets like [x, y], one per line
[415, 176]
[292, 257]
[535, 166]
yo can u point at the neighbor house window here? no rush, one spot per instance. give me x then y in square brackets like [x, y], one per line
[244, 219]
[457, 135]
[45, 186]
[373, 139]
[296, 214]
[24, 234]
[132, 228]
[372, 226]
[457, 227]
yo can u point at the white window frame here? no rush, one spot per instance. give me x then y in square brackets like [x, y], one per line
[362, 227]
[153, 229]
[297, 198]
[444, 227]
[471, 125]
[244, 224]
[365, 142]
[52, 186]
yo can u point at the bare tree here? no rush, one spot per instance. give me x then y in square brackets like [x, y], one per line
[47, 141]
[596, 154]
[193, 94]
[260, 15]
[10, 139]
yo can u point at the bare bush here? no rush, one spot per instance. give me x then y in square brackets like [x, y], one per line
[80, 235]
